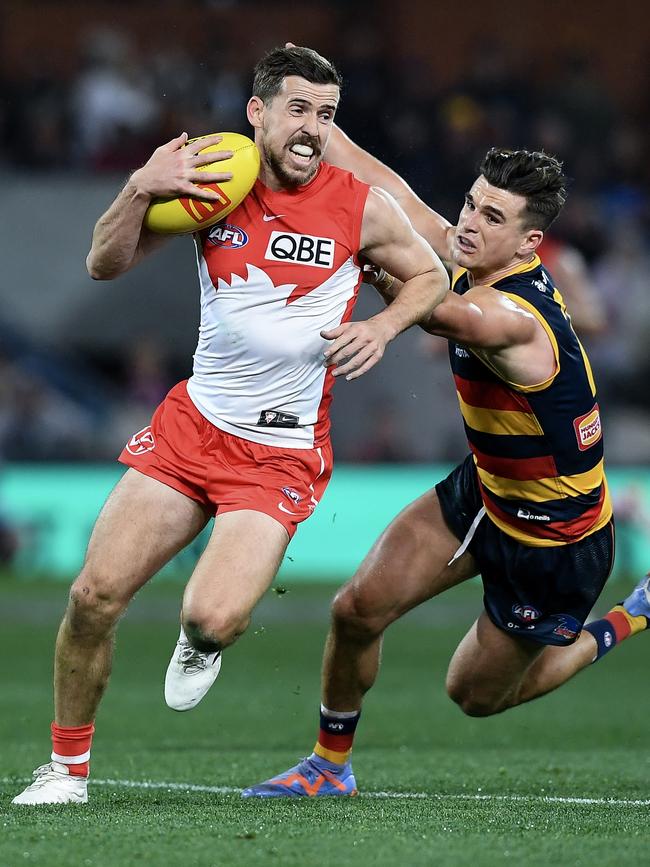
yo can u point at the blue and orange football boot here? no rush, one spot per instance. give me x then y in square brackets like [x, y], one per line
[638, 602]
[311, 778]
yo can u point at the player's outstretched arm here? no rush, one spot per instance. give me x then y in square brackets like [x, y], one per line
[119, 239]
[344, 153]
[482, 318]
[388, 240]
[487, 321]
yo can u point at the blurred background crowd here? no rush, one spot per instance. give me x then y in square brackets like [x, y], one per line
[87, 91]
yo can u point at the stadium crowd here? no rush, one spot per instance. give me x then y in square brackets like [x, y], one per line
[120, 103]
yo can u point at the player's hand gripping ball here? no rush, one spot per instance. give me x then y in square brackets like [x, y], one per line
[178, 216]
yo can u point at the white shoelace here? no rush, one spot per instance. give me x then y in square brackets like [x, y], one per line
[44, 774]
[191, 659]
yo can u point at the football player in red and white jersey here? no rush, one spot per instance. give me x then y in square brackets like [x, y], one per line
[246, 438]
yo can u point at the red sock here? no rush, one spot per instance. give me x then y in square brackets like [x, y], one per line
[71, 747]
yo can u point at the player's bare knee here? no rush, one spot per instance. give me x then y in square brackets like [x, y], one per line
[203, 637]
[455, 689]
[470, 699]
[353, 616]
[93, 606]
[213, 632]
[476, 707]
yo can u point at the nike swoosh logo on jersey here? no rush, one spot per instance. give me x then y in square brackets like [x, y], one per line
[268, 217]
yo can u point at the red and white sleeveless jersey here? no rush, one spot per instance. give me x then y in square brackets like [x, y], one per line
[274, 273]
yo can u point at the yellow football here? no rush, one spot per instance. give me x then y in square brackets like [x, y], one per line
[182, 215]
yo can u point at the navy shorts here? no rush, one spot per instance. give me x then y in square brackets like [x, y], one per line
[543, 594]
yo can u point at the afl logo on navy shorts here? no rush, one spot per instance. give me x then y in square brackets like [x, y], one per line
[526, 613]
[227, 235]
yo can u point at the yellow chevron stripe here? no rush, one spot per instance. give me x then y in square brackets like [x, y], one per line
[332, 755]
[458, 273]
[537, 542]
[500, 421]
[517, 269]
[540, 490]
[557, 297]
[525, 266]
[590, 375]
[637, 622]
[514, 533]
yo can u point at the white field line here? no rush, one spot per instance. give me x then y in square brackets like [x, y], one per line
[419, 796]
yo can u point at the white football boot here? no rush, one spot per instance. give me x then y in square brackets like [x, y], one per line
[53, 784]
[190, 674]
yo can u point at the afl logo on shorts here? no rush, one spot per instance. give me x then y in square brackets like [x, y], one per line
[141, 442]
[526, 613]
[227, 235]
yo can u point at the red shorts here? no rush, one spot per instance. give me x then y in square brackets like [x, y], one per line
[224, 472]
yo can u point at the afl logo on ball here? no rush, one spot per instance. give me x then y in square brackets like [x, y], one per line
[141, 442]
[227, 235]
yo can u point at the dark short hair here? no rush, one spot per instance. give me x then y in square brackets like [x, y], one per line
[533, 174]
[277, 64]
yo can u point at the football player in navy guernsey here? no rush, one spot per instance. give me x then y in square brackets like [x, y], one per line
[528, 510]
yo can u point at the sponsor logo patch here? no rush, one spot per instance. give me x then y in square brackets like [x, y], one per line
[294, 496]
[141, 442]
[527, 515]
[227, 235]
[564, 632]
[588, 429]
[568, 627]
[301, 249]
[526, 613]
[275, 418]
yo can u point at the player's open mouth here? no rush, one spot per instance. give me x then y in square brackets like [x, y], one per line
[465, 245]
[302, 154]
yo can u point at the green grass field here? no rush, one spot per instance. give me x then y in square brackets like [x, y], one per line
[563, 780]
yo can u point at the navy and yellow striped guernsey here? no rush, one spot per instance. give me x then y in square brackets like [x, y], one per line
[538, 449]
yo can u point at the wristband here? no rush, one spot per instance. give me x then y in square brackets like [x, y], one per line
[384, 281]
